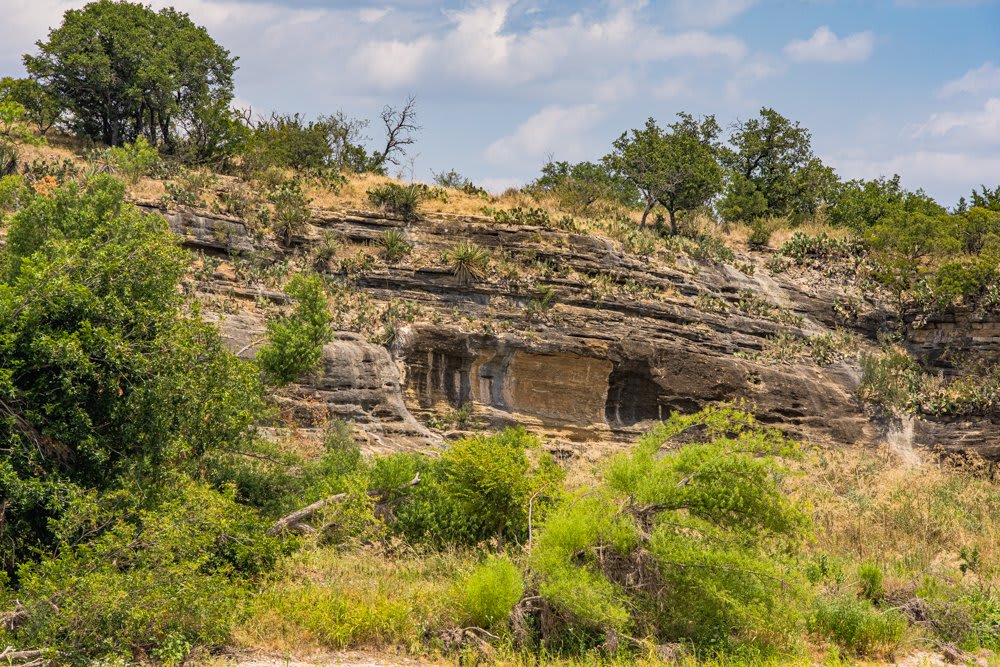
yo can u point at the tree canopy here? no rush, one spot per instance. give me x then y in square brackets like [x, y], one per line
[676, 168]
[123, 71]
[104, 373]
[773, 170]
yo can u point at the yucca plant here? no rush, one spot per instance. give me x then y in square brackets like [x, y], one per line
[468, 261]
[398, 199]
[395, 245]
[325, 250]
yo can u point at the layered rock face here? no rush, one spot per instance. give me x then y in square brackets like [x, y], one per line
[568, 334]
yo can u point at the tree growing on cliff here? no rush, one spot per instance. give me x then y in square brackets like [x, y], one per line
[581, 185]
[773, 170]
[295, 343]
[122, 71]
[676, 168]
[41, 108]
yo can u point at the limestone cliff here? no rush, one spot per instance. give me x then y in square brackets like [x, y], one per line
[570, 333]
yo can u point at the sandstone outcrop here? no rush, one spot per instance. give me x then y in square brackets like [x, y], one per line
[620, 340]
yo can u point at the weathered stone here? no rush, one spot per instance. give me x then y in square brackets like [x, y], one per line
[595, 368]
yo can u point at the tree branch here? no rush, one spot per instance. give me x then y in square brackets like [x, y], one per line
[296, 520]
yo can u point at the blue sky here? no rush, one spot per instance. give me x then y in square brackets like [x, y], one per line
[885, 86]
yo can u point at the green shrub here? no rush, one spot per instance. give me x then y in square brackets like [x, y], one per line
[129, 581]
[395, 245]
[857, 626]
[13, 191]
[483, 487]
[760, 234]
[958, 282]
[291, 209]
[870, 582]
[491, 591]
[690, 542]
[134, 161]
[890, 379]
[295, 343]
[402, 200]
[110, 369]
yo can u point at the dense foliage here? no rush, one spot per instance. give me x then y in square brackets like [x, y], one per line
[675, 168]
[105, 374]
[122, 71]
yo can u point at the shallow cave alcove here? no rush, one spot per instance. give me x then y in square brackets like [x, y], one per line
[633, 395]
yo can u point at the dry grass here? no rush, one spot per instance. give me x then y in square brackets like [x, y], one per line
[354, 195]
[913, 521]
[810, 228]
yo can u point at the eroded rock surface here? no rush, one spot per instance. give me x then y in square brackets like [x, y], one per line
[622, 341]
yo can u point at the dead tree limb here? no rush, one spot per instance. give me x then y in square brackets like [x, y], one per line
[296, 520]
[27, 658]
[400, 126]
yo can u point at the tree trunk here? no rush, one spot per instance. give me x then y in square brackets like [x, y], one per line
[645, 214]
[673, 221]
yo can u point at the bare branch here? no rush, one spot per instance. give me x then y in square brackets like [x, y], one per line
[296, 520]
[400, 126]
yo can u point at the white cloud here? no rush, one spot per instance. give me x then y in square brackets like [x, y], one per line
[747, 75]
[671, 87]
[983, 79]
[476, 49]
[709, 13]
[373, 14]
[825, 47]
[980, 126]
[554, 129]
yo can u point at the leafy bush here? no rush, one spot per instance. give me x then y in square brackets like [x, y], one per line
[395, 245]
[760, 234]
[870, 582]
[13, 191]
[291, 209]
[857, 626]
[134, 161]
[402, 200]
[483, 487]
[580, 186]
[961, 281]
[291, 142]
[295, 343]
[107, 373]
[468, 261]
[890, 379]
[491, 591]
[124, 585]
[689, 542]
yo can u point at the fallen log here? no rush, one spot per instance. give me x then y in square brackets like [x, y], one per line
[24, 658]
[297, 519]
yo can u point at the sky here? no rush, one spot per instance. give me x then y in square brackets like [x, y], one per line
[885, 86]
